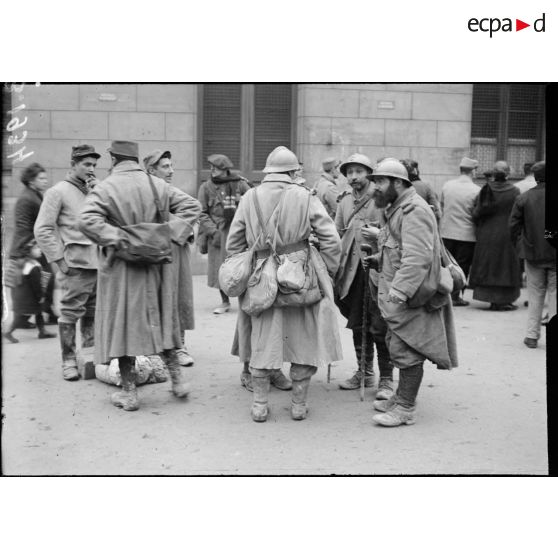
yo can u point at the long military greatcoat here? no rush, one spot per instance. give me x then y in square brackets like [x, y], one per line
[137, 306]
[408, 247]
[307, 335]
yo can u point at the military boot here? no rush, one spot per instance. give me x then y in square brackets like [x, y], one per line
[395, 416]
[180, 383]
[299, 410]
[403, 411]
[87, 330]
[68, 346]
[260, 387]
[385, 384]
[85, 363]
[280, 381]
[127, 397]
[354, 381]
[384, 405]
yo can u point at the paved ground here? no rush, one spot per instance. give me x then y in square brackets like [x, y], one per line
[486, 417]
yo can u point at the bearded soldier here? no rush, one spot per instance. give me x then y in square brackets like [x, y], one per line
[418, 328]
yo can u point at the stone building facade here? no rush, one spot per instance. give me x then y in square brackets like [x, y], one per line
[429, 122]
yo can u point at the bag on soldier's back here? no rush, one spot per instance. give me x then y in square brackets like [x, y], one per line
[235, 272]
[146, 243]
[297, 280]
[262, 287]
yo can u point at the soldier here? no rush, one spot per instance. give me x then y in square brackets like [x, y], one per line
[219, 197]
[305, 336]
[419, 329]
[422, 188]
[356, 215]
[158, 163]
[326, 186]
[136, 312]
[73, 254]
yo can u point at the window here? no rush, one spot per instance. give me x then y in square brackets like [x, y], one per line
[245, 122]
[508, 124]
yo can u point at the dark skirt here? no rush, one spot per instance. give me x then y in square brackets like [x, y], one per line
[24, 299]
[496, 295]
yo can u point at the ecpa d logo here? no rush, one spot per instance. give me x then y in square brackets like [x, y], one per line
[492, 25]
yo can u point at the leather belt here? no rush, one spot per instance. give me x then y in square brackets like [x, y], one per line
[286, 249]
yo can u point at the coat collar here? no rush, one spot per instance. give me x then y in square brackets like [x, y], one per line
[126, 166]
[401, 199]
[277, 177]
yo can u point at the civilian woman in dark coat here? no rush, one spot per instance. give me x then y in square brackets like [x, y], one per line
[27, 297]
[495, 270]
[35, 180]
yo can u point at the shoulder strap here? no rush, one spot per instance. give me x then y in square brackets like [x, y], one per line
[366, 199]
[263, 225]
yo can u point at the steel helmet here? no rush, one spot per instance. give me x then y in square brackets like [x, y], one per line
[358, 159]
[281, 159]
[392, 168]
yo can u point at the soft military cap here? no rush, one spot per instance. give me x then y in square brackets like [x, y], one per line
[467, 163]
[152, 158]
[124, 148]
[84, 150]
[222, 162]
[330, 163]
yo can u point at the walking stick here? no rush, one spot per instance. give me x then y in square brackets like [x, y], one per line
[367, 249]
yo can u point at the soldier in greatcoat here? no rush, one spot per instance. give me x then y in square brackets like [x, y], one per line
[356, 215]
[305, 336]
[158, 163]
[137, 312]
[418, 329]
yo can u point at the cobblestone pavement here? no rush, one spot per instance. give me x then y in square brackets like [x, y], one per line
[486, 417]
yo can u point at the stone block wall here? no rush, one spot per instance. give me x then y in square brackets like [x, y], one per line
[60, 116]
[430, 123]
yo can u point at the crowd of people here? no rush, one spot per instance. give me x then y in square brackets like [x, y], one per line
[371, 247]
